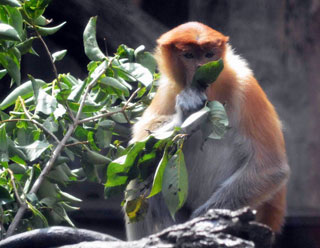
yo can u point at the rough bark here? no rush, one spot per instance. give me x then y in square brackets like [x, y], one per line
[216, 229]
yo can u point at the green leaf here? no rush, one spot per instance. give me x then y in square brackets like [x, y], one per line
[58, 175]
[91, 47]
[107, 124]
[41, 21]
[25, 46]
[44, 31]
[146, 59]
[5, 196]
[69, 198]
[136, 209]
[207, 73]
[96, 158]
[3, 73]
[57, 56]
[139, 73]
[77, 91]
[69, 79]
[51, 124]
[18, 160]
[12, 3]
[25, 90]
[7, 32]
[36, 86]
[103, 138]
[193, 121]
[17, 168]
[47, 104]
[118, 170]
[34, 150]
[59, 111]
[61, 212]
[119, 117]
[35, 8]
[12, 67]
[16, 21]
[36, 212]
[175, 183]
[125, 52]
[110, 81]
[15, 150]
[158, 176]
[219, 120]
[4, 155]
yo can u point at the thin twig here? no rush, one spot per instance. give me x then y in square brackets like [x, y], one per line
[126, 105]
[130, 98]
[55, 71]
[93, 118]
[35, 122]
[77, 143]
[20, 201]
[126, 116]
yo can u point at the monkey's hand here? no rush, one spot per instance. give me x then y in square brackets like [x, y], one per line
[190, 100]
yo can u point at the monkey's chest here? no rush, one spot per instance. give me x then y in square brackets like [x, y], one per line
[209, 164]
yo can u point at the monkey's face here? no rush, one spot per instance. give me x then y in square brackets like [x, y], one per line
[193, 58]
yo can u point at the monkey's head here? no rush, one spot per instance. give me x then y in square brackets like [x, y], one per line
[183, 49]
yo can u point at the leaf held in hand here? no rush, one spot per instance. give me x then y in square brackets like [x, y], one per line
[207, 73]
[219, 120]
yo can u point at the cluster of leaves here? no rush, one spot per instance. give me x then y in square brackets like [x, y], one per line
[15, 41]
[157, 163]
[47, 126]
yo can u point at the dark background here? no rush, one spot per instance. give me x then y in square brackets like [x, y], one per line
[280, 40]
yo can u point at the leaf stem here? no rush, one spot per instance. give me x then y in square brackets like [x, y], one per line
[55, 71]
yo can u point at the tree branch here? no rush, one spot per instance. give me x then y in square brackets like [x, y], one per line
[216, 228]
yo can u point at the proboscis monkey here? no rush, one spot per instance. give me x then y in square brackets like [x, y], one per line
[248, 166]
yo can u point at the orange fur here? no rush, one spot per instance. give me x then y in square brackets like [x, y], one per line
[272, 212]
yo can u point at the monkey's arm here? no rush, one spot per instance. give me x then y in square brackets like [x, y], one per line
[187, 102]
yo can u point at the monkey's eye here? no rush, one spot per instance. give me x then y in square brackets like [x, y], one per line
[188, 55]
[209, 55]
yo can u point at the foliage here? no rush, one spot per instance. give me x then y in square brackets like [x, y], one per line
[46, 127]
